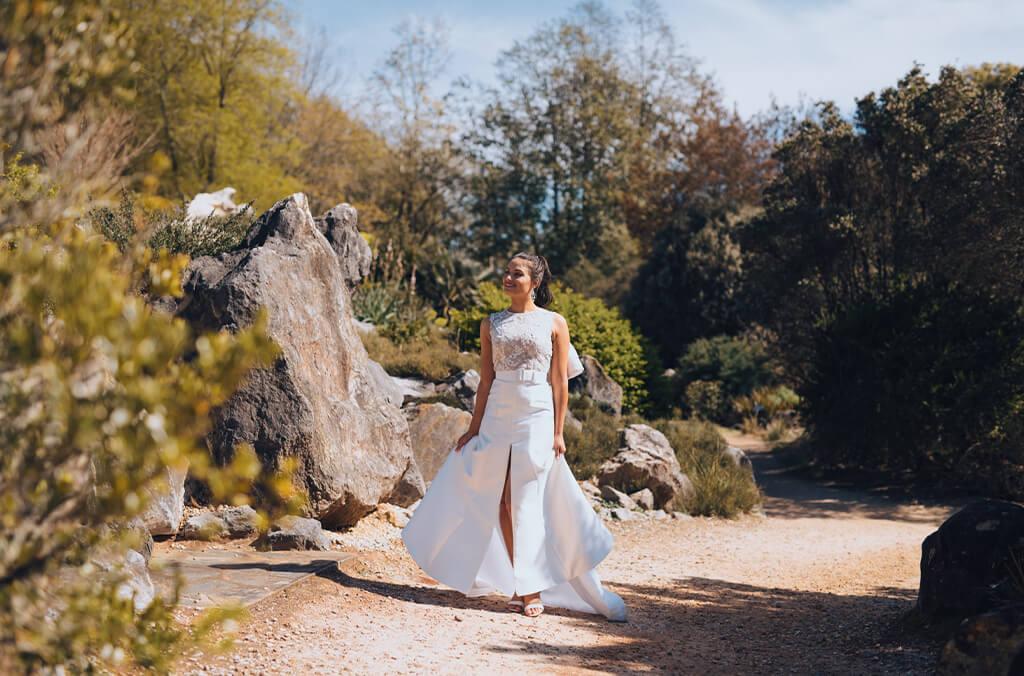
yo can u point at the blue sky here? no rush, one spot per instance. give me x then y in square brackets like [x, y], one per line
[792, 49]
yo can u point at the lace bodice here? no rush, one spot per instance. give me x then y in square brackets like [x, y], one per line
[521, 340]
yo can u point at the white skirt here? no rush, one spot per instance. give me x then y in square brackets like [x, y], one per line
[455, 536]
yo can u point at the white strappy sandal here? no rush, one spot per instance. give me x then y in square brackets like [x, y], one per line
[534, 604]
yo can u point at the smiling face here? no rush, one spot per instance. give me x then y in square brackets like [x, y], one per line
[517, 281]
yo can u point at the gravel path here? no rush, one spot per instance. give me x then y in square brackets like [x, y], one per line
[817, 584]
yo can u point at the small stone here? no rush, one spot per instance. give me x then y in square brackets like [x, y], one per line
[614, 495]
[623, 514]
[643, 498]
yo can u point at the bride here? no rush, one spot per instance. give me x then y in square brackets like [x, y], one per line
[504, 513]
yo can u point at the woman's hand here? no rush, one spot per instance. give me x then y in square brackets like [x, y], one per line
[464, 439]
[559, 444]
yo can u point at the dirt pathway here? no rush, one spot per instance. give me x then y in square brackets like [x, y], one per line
[817, 584]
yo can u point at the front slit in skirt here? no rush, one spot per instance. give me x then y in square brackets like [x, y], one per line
[455, 534]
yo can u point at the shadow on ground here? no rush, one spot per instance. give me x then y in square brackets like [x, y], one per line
[716, 626]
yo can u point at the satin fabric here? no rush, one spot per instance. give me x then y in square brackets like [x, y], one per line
[455, 535]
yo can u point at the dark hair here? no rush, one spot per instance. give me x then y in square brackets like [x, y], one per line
[539, 269]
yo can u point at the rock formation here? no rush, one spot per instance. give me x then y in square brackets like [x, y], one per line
[340, 227]
[320, 402]
[596, 384]
[646, 460]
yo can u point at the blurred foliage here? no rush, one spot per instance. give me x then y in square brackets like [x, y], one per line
[594, 329]
[887, 265]
[99, 393]
[722, 487]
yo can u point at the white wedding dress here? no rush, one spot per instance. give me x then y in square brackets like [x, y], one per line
[454, 534]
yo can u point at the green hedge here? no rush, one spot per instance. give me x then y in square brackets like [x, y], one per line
[594, 329]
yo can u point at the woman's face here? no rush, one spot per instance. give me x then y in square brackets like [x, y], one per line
[517, 282]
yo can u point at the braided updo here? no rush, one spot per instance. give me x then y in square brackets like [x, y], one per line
[538, 270]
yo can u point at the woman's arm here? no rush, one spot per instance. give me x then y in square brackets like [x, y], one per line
[484, 389]
[559, 377]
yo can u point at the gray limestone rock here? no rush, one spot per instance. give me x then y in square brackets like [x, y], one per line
[646, 460]
[596, 384]
[340, 227]
[294, 532]
[434, 428]
[166, 503]
[320, 402]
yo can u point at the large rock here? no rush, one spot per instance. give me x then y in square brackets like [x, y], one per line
[646, 460]
[434, 428]
[967, 564]
[596, 384]
[387, 385]
[990, 643]
[411, 487]
[294, 532]
[166, 503]
[463, 387]
[340, 227]
[319, 402]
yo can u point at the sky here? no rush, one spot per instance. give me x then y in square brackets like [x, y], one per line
[793, 50]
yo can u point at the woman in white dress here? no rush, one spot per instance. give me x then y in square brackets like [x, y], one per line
[504, 513]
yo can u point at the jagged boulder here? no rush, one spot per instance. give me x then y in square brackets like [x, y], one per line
[990, 643]
[463, 387]
[434, 429]
[646, 460]
[340, 227]
[294, 532]
[967, 564]
[319, 402]
[166, 503]
[596, 384]
[411, 487]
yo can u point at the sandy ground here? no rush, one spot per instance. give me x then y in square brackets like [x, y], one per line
[819, 583]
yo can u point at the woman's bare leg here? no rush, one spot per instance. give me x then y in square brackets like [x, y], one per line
[505, 518]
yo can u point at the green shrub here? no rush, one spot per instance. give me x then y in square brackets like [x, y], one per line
[375, 303]
[707, 400]
[738, 363]
[594, 329]
[721, 487]
[99, 394]
[465, 322]
[170, 229]
[431, 356]
[767, 410]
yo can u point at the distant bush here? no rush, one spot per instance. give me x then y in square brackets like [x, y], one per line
[767, 410]
[722, 488]
[594, 329]
[706, 399]
[431, 356]
[737, 362]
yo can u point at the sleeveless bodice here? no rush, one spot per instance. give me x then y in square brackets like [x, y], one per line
[521, 340]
